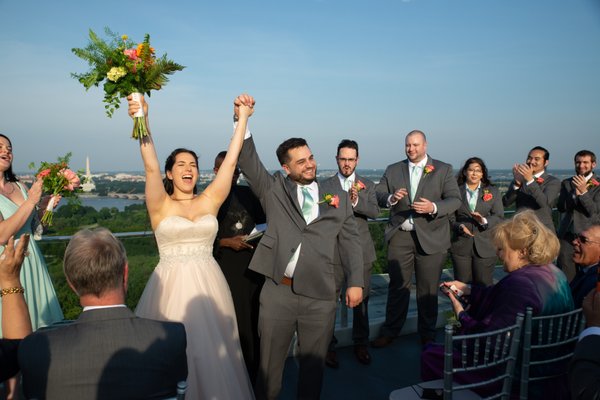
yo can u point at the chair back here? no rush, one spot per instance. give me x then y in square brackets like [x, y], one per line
[181, 389]
[491, 355]
[548, 345]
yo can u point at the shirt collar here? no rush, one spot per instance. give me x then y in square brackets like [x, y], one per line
[421, 163]
[89, 308]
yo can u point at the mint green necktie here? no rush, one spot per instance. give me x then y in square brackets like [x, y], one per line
[473, 198]
[307, 204]
[347, 184]
[414, 182]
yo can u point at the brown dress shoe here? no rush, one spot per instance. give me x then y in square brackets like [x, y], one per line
[362, 354]
[331, 360]
[382, 341]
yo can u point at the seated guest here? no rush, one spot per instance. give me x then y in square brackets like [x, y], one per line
[586, 256]
[108, 352]
[473, 253]
[15, 315]
[526, 248]
[584, 370]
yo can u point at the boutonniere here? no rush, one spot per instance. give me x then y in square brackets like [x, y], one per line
[331, 199]
[358, 185]
[592, 183]
[487, 195]
[428, 169]
[539, 180]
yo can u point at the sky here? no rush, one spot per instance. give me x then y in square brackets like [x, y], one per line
[485, 78]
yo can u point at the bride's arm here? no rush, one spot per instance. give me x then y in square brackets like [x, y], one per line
[155, 191]
[11, 225]
[219, 189]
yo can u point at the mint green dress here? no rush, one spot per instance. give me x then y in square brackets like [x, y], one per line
[40, 295]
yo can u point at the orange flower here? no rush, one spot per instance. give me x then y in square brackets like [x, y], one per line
[331, 199]
[429, 168]
[592, 183]
[539, 180]
[140, 48]
[358, 185]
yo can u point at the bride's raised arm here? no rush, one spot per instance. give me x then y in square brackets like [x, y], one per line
[219, 189]
[155, 191]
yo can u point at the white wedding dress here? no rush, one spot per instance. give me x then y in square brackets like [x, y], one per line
[188, 286]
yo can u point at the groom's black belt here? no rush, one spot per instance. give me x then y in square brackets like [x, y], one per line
[287, 281]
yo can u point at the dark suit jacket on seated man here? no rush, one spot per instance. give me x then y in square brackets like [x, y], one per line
[579, 205]
[533, 188]
[421, 193]
[586, 255]
[108, 352]
[296, 257]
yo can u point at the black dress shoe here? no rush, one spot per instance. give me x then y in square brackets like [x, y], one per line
[331, 360]
[362, 354]
[382, 341]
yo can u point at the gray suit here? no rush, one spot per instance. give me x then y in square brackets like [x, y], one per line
[106, 354]
[474, 258]
[365, 208]
[539, 197]
[423, 249]
[308, 305]
[578, 214]
[584, 369]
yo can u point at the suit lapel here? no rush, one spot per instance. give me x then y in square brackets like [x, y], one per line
[424, 175]
[291, 191]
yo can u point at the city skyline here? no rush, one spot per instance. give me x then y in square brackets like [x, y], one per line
[491, 79]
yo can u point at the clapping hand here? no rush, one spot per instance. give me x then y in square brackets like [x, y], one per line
[423, 206]
[465, 231]
[353, 192]
[399, 195]
[580, 184]
[11, 260]
[526, 172]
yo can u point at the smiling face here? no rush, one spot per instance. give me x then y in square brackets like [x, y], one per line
[184, 173]
[347, 160]
[415, 147]
[586, 247]
[535, 159]
[6, 155]
[584, 165]
[473, 174]
[301, 166]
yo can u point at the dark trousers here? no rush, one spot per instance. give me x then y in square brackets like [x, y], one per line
[282, 312]
[474, 269]
[565, 257]
[405, 255]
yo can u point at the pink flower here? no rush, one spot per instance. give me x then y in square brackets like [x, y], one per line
[44, 173]
[72, 178]
[131, 53]
[539, 180]
[487, 196]
[358, 185]
[429, 168]
[331, 199]
[592, 183]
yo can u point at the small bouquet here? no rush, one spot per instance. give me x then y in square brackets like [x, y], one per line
[125, 68]
[358, 185]
[58, 180]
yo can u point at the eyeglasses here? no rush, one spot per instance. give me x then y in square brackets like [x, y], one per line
[585, 240]
[475, 171]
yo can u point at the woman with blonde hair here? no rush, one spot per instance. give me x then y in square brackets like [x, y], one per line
[527, 249]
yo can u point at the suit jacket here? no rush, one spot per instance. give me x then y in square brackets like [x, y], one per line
[584, 369]
[438, 186]
[491, 210]
[539, 197]
[286, 229]
[582, 284]
[8, 358]
[578, 212]
[365, 208]
[105, 354]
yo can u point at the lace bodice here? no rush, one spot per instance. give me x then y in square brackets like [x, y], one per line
[179, 237]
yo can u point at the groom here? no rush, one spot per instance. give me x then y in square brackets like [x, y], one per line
[305, 222]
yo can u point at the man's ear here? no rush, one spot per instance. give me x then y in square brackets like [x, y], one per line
[71, 286]
[285, 168]
[126, 276]
[546, 163]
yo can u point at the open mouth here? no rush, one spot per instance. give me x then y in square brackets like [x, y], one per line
[187, 178]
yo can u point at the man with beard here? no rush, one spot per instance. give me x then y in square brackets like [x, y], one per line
[579, 203]
[586, 256]
[306, 221]
[364, 203]
[237, 217]
[533, 188]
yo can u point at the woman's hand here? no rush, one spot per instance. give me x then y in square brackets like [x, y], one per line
[243, 101]
[465, 231]
[478, 217]
[134, 106]
[463, 287]
[34, 193]
[11, 260]
[46, 199]
[456, 305]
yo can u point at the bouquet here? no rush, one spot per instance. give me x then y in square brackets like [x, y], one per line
[125, 68]
[58, 180]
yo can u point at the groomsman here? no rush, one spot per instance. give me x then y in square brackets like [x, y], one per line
[364, 203]
[421, 193]
[533, 188]
[306, 221]
[579, 204]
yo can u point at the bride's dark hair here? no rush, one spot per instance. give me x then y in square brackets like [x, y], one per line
[168, 183]
[9, 174]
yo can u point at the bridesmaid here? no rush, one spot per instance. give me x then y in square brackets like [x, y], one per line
[473, 254]
[18, 206]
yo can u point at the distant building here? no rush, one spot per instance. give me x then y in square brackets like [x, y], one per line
[88, 183]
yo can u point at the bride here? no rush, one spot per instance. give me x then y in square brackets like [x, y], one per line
[187, 285]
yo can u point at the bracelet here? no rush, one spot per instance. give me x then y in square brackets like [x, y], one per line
[12, 290]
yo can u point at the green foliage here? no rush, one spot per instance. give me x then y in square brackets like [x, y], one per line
[123, 66]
